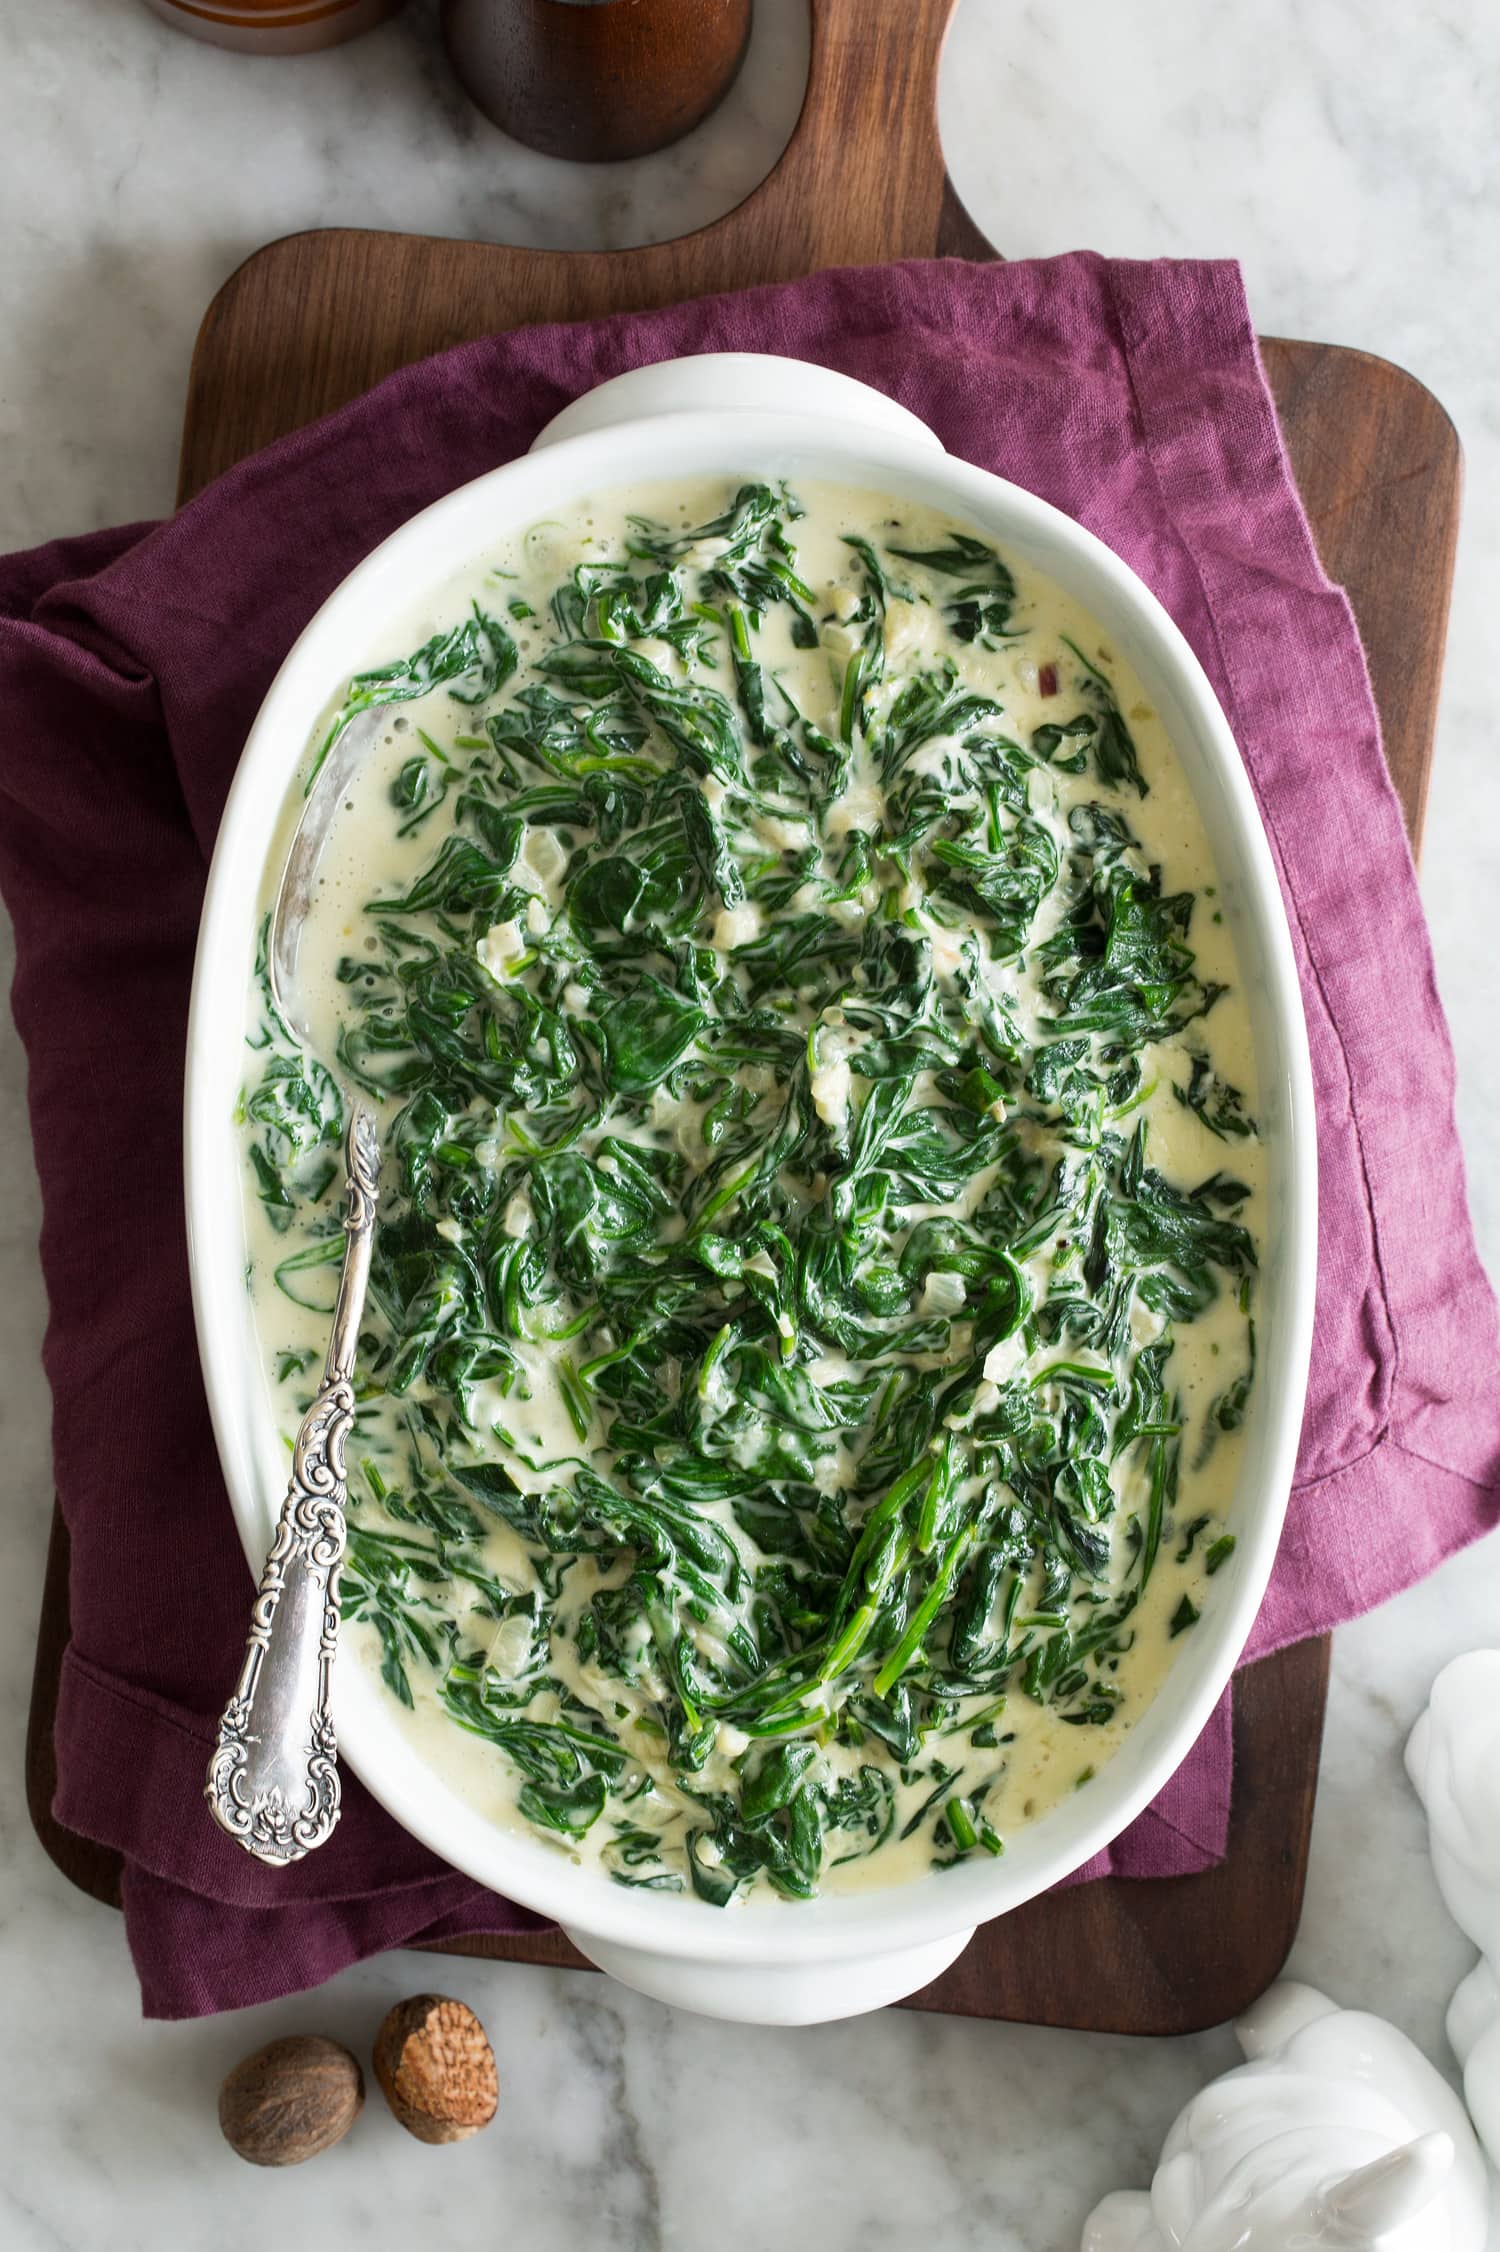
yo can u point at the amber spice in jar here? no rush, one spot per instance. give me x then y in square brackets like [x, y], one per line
[274, 27]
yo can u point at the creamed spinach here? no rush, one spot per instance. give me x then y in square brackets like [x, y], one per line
[813, 1306]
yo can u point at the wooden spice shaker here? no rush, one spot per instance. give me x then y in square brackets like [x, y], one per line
[597, 80]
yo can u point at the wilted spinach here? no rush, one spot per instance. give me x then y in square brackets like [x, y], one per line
[803, 1162]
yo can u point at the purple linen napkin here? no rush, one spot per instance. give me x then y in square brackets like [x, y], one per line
[131, 665]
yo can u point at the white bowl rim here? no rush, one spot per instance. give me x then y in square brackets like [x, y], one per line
[424, 551]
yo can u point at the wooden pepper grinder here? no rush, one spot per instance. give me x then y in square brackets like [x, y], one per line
[596, 80]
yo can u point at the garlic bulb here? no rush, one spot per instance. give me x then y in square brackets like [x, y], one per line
[1336, 2131]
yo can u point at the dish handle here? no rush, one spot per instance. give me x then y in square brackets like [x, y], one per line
[775, 1993]
[732, 383]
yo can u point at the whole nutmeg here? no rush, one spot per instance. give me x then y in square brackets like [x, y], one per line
[437, 2069]
[291, 2100]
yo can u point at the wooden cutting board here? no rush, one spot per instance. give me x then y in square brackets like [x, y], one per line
[310, 322]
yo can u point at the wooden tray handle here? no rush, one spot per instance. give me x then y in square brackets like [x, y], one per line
[861, 179]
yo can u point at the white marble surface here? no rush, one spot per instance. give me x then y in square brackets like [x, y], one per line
[1348, 156]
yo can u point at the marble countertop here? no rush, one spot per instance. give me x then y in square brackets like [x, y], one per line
[1354, 169]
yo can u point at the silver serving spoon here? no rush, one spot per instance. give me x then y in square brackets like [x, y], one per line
[273, 1780]
[344, 758]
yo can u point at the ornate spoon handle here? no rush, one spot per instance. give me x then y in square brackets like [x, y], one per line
[273, 1780]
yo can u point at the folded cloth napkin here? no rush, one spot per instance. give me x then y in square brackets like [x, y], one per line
[131, 665]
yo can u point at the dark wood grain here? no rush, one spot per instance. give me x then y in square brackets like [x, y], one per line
[597, 83]
[93, 1868]
[1167, 1955]
[310, 322]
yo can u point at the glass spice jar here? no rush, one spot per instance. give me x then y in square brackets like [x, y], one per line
[274, 27]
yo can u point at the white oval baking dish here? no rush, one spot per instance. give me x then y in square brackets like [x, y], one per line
[741, 415]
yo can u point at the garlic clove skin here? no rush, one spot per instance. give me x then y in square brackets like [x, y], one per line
[1474, 2034]
[1122, 2222]
[1453, 1757]
[1284, 2009]
[1391, 2190]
